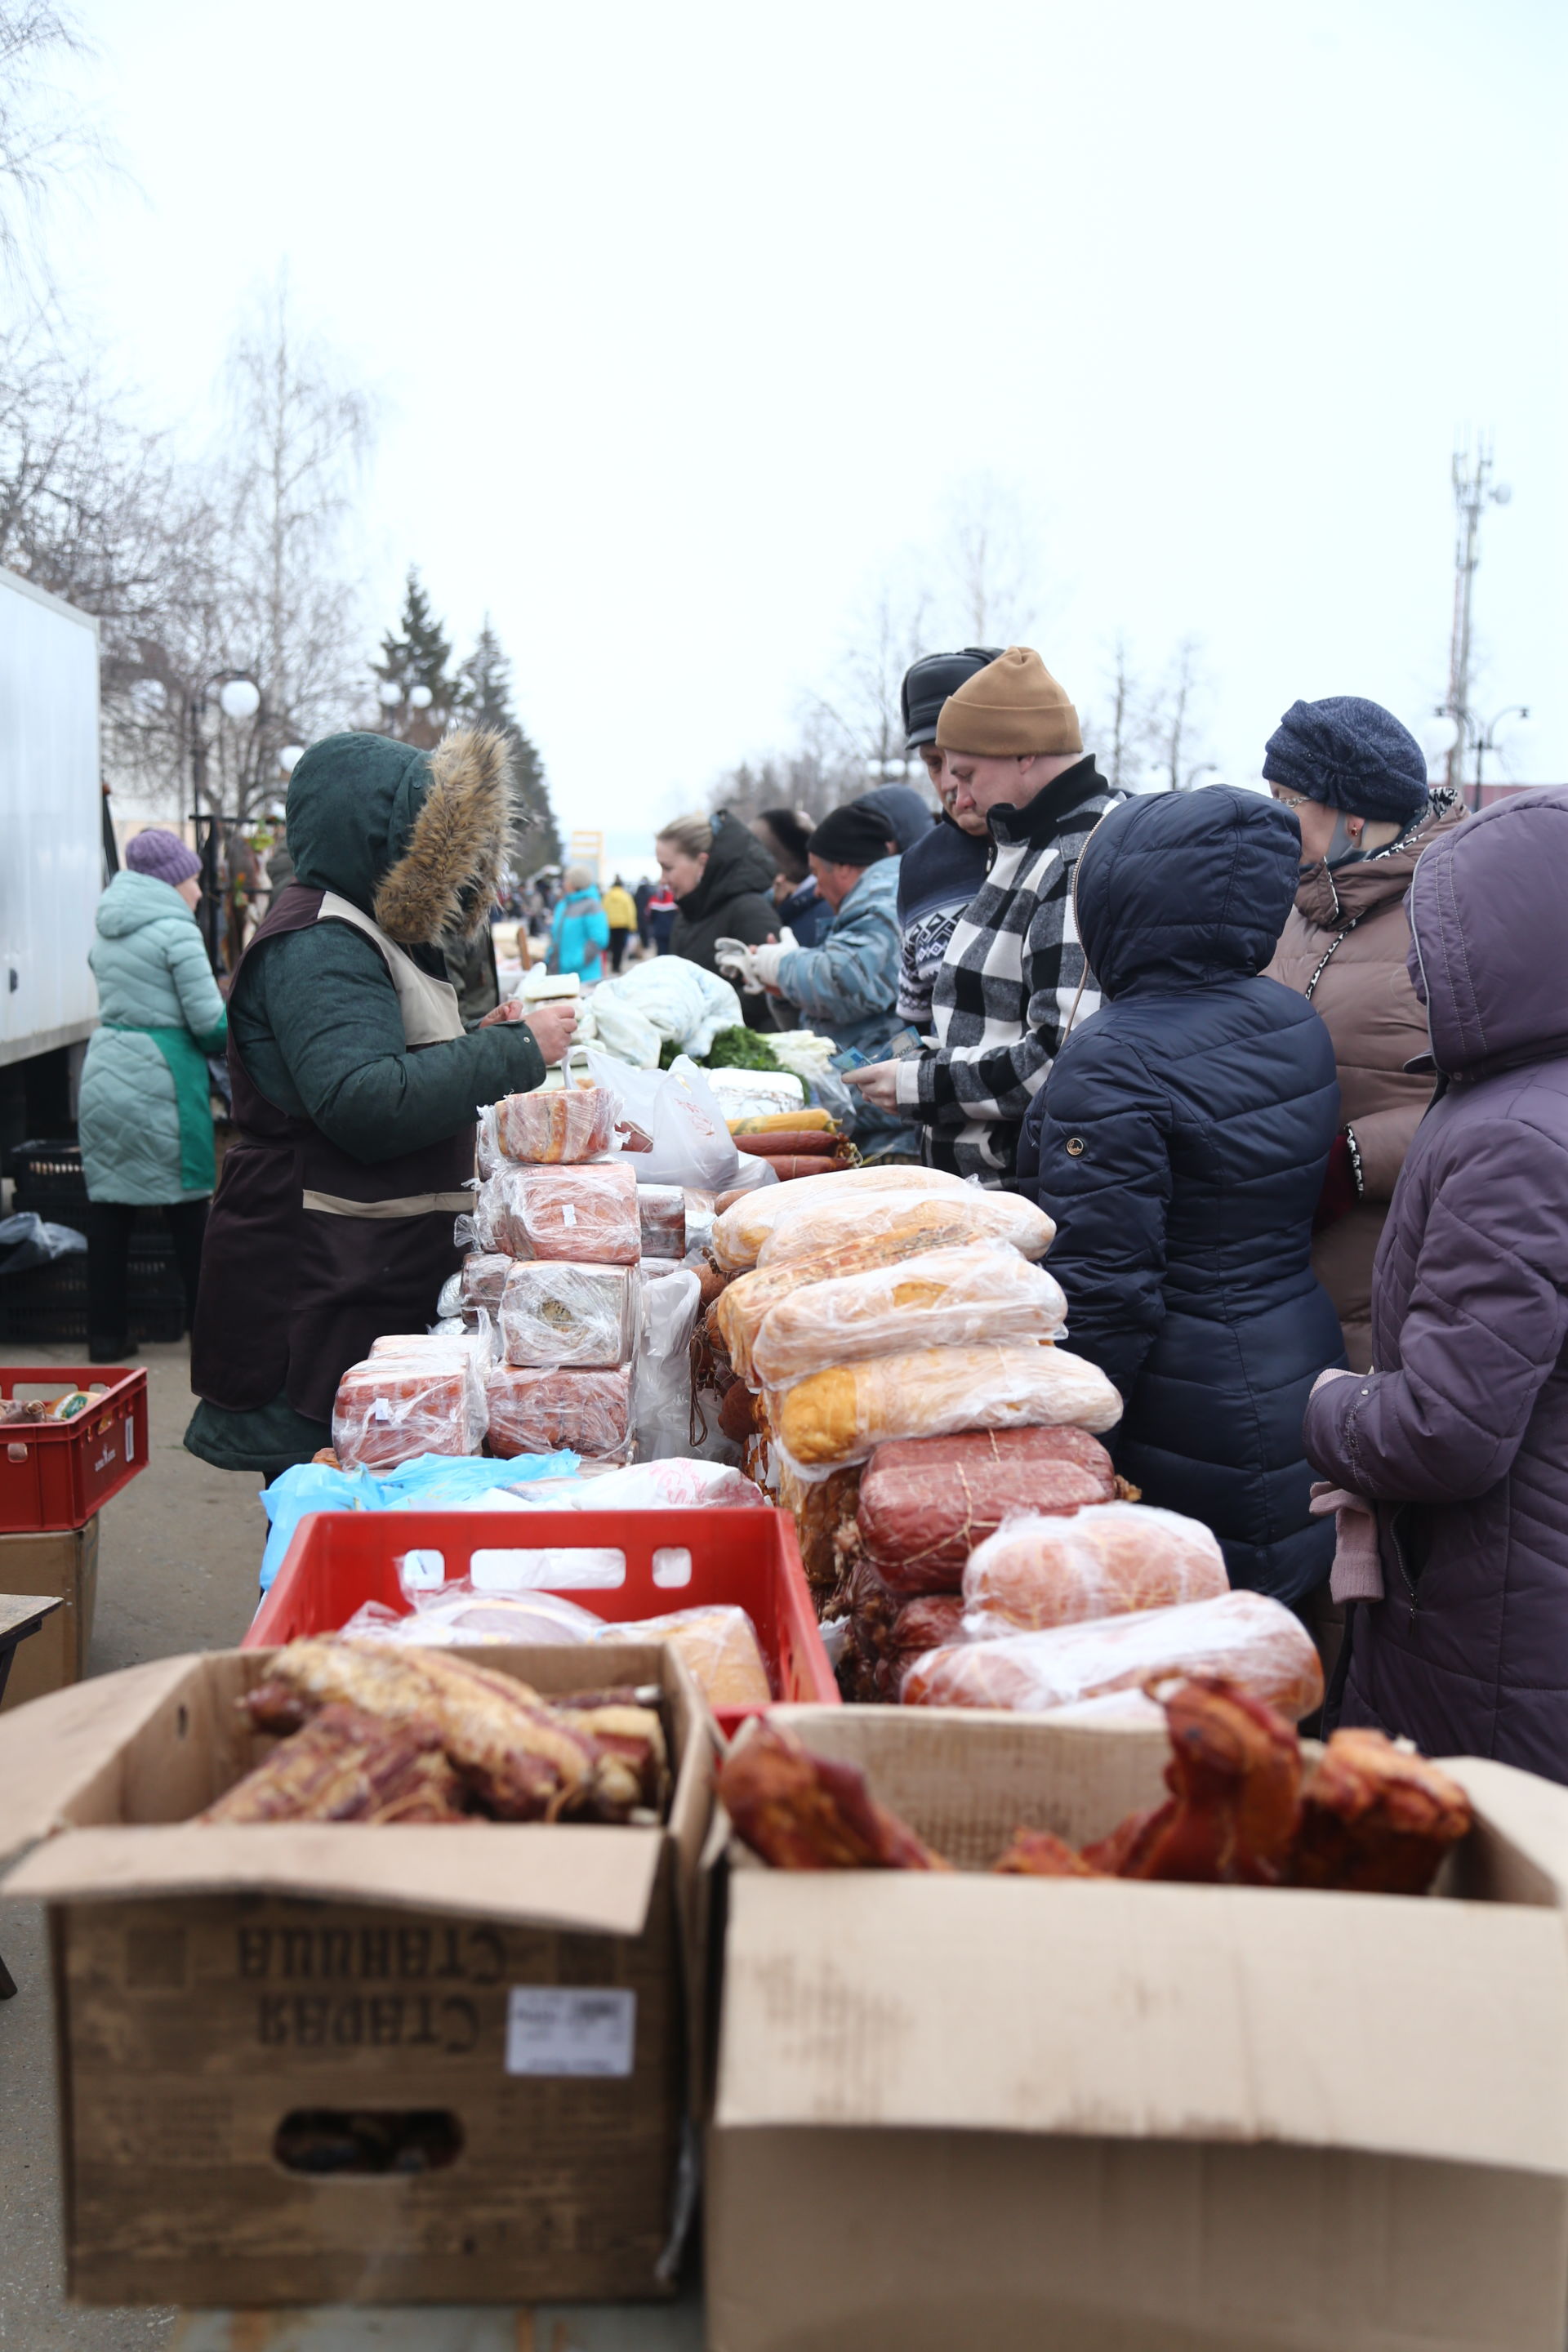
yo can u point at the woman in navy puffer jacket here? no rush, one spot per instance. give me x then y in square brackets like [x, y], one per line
[1180, 1142]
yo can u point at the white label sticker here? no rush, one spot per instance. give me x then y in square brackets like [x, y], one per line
[570, 2030]
[568, 1213]
[129, 1438]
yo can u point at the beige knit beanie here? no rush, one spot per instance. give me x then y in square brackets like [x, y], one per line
[1010, 709]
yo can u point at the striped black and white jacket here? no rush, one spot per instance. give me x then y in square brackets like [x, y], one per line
[1005, 990]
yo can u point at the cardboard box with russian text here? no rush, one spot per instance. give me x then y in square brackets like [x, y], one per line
[63, 1561]
[313, 2063]
[1058, 2116]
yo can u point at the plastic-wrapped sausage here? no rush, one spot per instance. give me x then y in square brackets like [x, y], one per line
[1103, 1562]
[982, 1291]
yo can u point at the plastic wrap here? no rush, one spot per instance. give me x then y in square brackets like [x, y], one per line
[554, 1313]
[889, 1631]
[824, 1514]
[843, 1415]
[698, 1217]
[585, 1214]
[740, 1093]
[751, 1297]
[1245, 1635]
[719, 1642]
[543, 1411]
[924, 1505]
[741, 1230]
[680, 1128]
[982, 1291]
[817, 1222]
[1103, 1562]
[661, 1217]
[679, 1484]
[556, 1123]
[392, 1407]
[661, 1378]
[483, 1280]
[449, 1297]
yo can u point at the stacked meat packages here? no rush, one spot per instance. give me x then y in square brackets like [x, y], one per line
[901, 1350]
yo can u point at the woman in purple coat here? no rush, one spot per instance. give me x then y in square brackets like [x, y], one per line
[1460, 1436]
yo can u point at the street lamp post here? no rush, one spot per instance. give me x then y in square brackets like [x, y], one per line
[1487, 742]
[1469, 735]
[239, 697]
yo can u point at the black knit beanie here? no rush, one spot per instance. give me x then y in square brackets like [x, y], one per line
[930, 681]
[792, 837]
[853, 834]
[1351, 755]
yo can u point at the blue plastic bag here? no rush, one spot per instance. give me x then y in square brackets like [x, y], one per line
[431, 1482]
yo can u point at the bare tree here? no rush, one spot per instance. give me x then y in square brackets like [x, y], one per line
[860, 722]
[1172, 725]
[48, 136]
[992, 559]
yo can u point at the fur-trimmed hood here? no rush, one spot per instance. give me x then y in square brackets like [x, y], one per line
[414, 839]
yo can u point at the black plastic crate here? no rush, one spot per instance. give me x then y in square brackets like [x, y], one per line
[49, 1181]
[50, 1302]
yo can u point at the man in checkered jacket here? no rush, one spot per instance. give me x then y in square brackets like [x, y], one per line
[1013, 968]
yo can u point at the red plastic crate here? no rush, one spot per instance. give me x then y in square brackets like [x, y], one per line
[57, 1474]
[339, 1559]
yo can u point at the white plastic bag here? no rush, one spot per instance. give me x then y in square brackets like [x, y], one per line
[661, 1380]
[689, 1142]
[685, 1005]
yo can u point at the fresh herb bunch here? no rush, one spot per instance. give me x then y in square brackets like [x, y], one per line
[741, 1049]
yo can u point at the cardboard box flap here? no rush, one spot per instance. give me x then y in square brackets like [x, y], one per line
[594, 1879]
[1520, 1851]
[54, 1751]
[1428, 2029]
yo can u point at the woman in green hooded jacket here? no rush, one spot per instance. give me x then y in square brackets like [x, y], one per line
[355, 1088]
[144, 1119]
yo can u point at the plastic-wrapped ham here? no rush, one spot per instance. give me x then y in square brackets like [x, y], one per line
[560, 1411]
[978, 1292]
[925, 1504]
[814, 1225]
[397, 1405]
[1104, 1560]
[553, 1313]
[844, 1414]
[661, 1215]
[1245, 1635]
[588, 1214]
[484, 1280]
[740, 1233]
[555, 1124]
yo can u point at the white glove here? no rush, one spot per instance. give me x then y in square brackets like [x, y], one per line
[765, 962]
[734, 957]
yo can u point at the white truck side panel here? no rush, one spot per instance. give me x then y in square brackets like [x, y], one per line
[51, 874]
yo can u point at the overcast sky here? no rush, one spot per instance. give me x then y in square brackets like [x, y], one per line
[694, 325]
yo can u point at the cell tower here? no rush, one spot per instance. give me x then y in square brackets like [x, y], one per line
[1474, 490]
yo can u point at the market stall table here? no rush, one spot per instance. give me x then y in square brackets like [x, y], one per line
[21, 1613]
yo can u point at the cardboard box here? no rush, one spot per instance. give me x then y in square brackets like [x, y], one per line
[63, 1562]
[512, 1995]
[1046, 2115]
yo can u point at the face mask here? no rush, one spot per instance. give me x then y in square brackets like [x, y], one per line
[1342, 850]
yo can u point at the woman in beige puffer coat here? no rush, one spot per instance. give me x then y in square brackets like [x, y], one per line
[1357, 782]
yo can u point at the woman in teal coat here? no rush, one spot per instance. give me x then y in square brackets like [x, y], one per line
[145, 1118]
[579, 929]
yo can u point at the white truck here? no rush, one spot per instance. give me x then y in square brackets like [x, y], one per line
[52, 825]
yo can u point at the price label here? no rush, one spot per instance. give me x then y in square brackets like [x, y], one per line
[570, 2030]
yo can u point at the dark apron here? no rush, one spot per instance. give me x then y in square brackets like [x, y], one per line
[310, 1253]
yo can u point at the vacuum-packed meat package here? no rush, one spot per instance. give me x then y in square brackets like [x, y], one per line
[1254, 1641]
[553, 1313]
[555, 1124]
[844, 1414]
[391, 1407]
[661, 1217]
[484, 1280]
[808, 1227]
[889, 1631]
[824, 1514]
[981, 1292]
[588, 1214]
[926, 1503]
[560, 1411]
[741, 1230]
[1103, 1562]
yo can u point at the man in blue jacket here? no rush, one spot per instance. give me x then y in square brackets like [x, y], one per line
[846, 988]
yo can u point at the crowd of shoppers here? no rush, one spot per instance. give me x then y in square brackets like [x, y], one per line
[1290, 1069]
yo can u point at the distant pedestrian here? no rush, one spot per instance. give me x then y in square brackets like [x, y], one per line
[146, 1116]
[621, 914]
[786, 834]
[640, 897]
[579, 930]
[661, 911]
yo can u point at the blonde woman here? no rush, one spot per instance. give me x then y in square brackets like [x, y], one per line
[722, 879]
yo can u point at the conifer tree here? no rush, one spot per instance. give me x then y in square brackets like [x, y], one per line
[486, 701]
[418, 693]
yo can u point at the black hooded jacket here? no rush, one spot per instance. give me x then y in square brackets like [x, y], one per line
[1180, 1142]
[734, 900]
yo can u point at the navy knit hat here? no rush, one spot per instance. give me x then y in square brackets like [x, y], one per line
[1351, 754]
[930, 681]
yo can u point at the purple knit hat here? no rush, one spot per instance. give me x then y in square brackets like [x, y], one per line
[161, 854]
